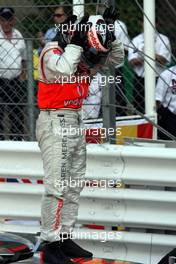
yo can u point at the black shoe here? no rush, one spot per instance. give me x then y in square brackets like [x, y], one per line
[53, 254]
[165, 259]
[72, 250]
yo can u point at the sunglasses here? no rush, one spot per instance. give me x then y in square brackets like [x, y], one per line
[58, 15]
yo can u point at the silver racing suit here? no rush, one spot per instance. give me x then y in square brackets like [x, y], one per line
[62, 143]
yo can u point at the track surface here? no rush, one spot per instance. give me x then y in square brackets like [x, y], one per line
[35, 260]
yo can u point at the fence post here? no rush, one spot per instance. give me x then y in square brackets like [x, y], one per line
[30, 91]
[149, 64]
[108, 91]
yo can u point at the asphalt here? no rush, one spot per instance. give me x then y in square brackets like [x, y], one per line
[36, 260]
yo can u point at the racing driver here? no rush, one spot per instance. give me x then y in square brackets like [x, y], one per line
[60, 95]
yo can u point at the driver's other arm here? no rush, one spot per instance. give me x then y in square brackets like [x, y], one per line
[117, 54]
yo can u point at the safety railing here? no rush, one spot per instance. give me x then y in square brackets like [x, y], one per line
[142, 198]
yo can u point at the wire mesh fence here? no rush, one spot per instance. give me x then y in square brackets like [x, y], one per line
[34, 23]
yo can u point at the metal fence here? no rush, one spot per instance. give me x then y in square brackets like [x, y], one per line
[18, 82]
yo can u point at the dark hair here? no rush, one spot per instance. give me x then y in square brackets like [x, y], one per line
[67, 9]
[7, 12]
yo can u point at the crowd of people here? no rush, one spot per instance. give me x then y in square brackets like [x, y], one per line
[13, 73]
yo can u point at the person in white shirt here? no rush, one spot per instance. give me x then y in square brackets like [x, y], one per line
[166, 102]
[136, 60]
[121, 33]
[12, 72]
[92, 104]
[92, 107]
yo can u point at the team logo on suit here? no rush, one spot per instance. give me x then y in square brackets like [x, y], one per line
[80, 90]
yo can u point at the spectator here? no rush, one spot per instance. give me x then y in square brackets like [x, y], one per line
[95, 92]
[166, 102]
[36, 52]
[92, 104]
[12, 72]
[121, 33]
[60, 16]
[136, 59]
